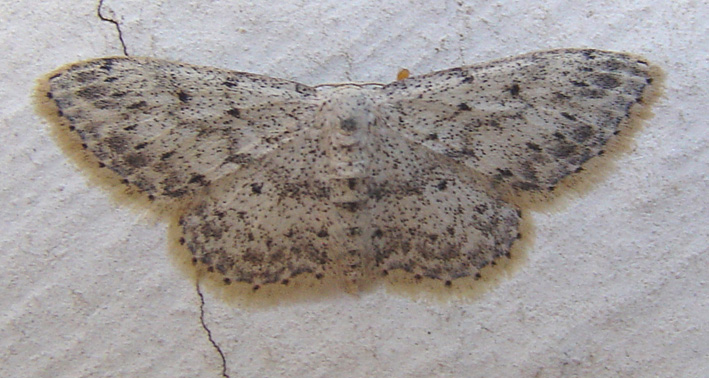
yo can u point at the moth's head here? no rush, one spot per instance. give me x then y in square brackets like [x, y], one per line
[348, 110]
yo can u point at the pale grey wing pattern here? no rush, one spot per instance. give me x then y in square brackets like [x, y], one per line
[526, 121]
[433, 217]
[274, 221]
[171, 128]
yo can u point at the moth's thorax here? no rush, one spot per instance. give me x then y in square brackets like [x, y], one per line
[347, 119]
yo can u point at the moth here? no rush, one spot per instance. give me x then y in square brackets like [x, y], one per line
[270, 179]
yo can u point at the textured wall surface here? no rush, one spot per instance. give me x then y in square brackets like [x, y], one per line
[613, 284]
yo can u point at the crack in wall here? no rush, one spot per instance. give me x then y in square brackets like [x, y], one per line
[199, 291]
[115, 23]
[209, 332]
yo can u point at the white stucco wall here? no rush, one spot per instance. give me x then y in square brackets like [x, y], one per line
[614, 285]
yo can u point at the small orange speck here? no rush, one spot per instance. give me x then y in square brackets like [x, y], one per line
[403, 74]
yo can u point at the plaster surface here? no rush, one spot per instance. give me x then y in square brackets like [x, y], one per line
[615, 283]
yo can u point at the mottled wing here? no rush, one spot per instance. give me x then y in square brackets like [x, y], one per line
[432, 216]
[171, 128]
[527, 121]
[275, 221]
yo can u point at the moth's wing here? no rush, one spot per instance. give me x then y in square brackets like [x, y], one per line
[273, 221]
[527, 121]
[434, 217]
[167, 128]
